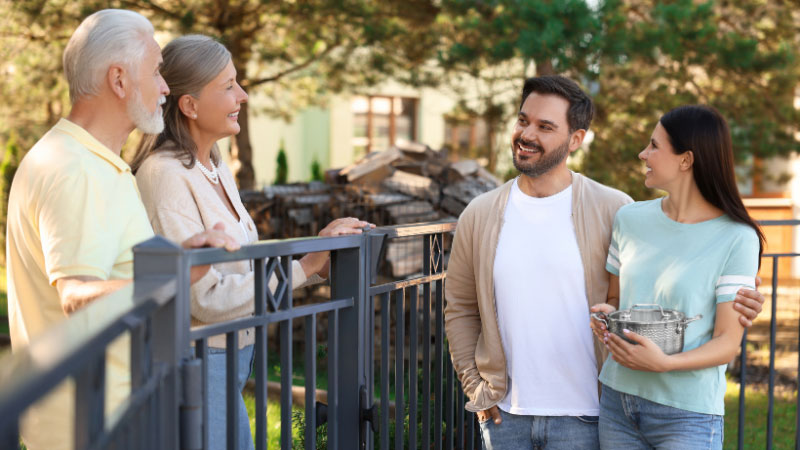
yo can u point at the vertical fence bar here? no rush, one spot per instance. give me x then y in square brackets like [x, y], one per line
[448, 403]
[90, 384]
[311, 381]
[385, 322]
[773, 325]
[260, 298]
[201, 352]
[438, 356]
[10, 433]
[469, 432]
[413, 340]
[742, 382]
[459, 416]
[399, 347]
[286, 383]
[231, 389]
[349, 280]
[333, 379]
[797, 404]
[426, 364]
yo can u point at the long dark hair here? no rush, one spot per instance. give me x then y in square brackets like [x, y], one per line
[705, 132]
[190, 63]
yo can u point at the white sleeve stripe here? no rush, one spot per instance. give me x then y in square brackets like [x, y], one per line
[611, 261]
[613, 251]
[732, 289]
[736, 279]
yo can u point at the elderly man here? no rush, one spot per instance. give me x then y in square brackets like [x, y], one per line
[528, 260]
[74, 211]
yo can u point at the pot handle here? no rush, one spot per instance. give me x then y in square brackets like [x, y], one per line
[601, 316]
[692, 319]
[640, 305]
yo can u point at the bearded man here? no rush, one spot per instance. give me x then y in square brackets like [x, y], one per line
[527, 263]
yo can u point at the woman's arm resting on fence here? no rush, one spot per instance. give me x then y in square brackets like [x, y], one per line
[319, 262]
[648, 356]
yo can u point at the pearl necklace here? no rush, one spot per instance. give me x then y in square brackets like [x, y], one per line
[212, 175]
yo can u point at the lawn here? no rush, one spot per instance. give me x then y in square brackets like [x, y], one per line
[755, 431]
[3, 302]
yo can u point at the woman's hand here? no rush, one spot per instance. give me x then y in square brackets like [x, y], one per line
[647, 356]
[345, 226]
[319, 262]
[748, 303]
[598, 327]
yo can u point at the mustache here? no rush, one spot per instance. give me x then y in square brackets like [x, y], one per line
[528, 144]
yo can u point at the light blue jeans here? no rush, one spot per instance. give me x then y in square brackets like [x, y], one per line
[540, 433]
[631, 422]
[217, 404]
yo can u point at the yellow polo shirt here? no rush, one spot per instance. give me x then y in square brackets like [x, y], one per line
[74, 209]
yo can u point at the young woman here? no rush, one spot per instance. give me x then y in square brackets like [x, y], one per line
[690, 251]
[186, 188]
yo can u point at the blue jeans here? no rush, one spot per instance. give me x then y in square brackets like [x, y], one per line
[217, 404]
[631, 422]
[540, 433]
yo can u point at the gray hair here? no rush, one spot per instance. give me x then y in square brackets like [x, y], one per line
[110, 36]
[190, 63]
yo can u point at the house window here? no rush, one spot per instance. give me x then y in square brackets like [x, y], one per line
[380, 122]
[466, 137]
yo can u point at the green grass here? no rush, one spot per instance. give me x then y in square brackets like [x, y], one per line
[755, 431]
[273, 420]
[3, 302]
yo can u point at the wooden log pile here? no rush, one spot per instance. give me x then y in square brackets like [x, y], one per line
[402, 185]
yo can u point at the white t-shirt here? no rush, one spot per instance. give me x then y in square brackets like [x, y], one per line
[542, 309]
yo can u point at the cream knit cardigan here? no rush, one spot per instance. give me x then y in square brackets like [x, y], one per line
[181, 202]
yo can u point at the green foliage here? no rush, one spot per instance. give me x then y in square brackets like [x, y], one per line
[281, 167]
[638, 59]
[8, 168]
[316, 171]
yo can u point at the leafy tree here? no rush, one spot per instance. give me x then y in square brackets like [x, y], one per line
[316, 171]
[289, 52]
[638, 59]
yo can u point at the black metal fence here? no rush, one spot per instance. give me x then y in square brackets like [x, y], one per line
[387, 373]
[167, 407]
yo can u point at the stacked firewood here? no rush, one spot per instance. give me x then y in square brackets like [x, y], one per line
[405, 184]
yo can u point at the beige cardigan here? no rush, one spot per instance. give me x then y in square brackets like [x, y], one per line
[181, 202]
[470, 315]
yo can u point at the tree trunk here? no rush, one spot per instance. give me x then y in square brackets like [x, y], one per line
[241, 150]
[545, 67]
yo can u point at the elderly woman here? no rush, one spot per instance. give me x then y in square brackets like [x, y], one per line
[186, 188]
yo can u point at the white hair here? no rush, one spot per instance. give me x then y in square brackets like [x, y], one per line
[110, 36]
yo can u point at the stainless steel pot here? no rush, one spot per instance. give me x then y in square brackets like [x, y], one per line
[665, 327]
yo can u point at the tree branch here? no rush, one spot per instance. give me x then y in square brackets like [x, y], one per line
[312, 59]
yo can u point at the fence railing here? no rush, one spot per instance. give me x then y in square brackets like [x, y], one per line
[376, 345]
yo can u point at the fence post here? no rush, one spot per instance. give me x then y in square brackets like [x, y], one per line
[348, 279]
[155, 261]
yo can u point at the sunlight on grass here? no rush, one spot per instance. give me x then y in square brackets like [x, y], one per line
[273, 420]
[755, 431]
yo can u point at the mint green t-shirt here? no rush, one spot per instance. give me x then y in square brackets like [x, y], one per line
[687, 267]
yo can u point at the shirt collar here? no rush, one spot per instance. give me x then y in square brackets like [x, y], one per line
[92, 144]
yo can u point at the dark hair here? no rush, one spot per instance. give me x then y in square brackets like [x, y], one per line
[190, 63]
[581, 109]
[705, 132]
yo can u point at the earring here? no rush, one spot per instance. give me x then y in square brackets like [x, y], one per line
[194, 116]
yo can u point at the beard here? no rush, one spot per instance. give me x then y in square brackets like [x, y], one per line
[145, 121]
[546, 162]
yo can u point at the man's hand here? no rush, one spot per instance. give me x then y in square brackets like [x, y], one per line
[748, 303]
[491, 413]
[215, 237]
